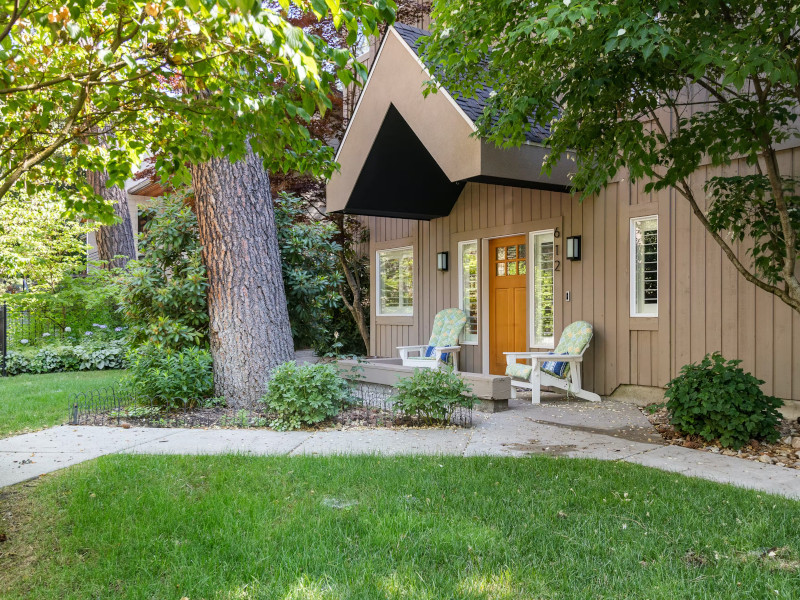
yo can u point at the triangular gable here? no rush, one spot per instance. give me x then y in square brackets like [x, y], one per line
[407, 155]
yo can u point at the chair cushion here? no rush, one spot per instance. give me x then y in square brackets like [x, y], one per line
[574, 338]
[430, 354]
[447, 326]
[556, 368]
[519, 370]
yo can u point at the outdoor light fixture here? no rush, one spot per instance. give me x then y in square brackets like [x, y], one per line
[574, 247]
[441, 261]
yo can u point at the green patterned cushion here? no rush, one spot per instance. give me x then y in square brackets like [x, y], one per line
[519, 370]
[575, 338]
[447, 326]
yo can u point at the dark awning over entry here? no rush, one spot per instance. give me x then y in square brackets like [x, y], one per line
[400, 178]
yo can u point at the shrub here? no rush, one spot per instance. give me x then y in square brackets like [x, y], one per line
[304, 395]
[18, 362]
[171, 377]
[98, 355]
[433, 395]
[718, 400]
[46, 360]
[164, 300]
[89, 356]
[310, 267]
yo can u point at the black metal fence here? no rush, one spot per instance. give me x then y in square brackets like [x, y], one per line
[118, 405]
[27, 325]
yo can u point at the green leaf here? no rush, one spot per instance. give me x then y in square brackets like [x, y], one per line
[105, 56]
[73, 29]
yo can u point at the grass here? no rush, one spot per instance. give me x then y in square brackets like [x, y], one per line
[233, 527]
[32, 402]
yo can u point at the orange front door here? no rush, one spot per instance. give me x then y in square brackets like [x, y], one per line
[508, 268]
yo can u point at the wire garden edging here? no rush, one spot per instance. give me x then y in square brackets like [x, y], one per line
[119, 405]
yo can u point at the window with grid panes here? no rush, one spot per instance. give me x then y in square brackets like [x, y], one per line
[468, 278]
[644, 266]
[542, 297]
[395, 282]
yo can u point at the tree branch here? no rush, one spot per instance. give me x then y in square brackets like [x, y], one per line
[687, 193]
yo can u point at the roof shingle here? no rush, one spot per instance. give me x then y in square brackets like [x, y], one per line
[472, 107]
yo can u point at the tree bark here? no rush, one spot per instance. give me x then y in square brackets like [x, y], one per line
[113, 240]
[356, 307]
[249, 320]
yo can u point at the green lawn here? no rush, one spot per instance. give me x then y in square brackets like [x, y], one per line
[418, 528]
[31, 402]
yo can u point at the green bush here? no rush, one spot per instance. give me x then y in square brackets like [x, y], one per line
[170, 377]
[18, 362]
[310, 267]
[304, 395]
[433, 395]
[47, 360]
[92, 355]
[164, 300]
[718, 400]
[105, 354]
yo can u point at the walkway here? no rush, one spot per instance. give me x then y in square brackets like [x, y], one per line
[607, 431]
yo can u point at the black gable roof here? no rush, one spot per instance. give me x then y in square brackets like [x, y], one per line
[472, 107]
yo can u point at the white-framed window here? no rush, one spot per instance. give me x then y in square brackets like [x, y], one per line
[644, 266]
[468, 286]
[542, 280]
[395, 279]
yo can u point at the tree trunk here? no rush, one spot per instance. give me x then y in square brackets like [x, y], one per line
[113, 240]
[356, 307]
[249, 320]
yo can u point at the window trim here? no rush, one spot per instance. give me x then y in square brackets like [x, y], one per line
[532, 294]
[378, 312]
[461, 244]
[632, 267]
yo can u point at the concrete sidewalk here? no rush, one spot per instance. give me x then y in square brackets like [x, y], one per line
[609, 430]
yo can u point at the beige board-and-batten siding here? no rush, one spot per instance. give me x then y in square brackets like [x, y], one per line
[704, 304]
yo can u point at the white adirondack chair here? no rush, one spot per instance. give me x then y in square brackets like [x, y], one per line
[559, 370]
[447, 326]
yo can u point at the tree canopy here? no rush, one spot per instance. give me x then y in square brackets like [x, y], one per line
[656, 89]
[187, 79]
[38, 242]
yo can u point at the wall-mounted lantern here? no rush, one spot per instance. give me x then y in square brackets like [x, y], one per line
[441, 261]
[574, 247]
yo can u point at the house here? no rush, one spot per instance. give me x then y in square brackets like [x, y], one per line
[455, 221]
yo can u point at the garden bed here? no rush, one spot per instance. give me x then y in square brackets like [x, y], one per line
[370, 406]
[352, 417]
[783, 453]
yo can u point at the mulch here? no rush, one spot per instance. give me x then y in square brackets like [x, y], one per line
[783, 453]
[353, 417]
